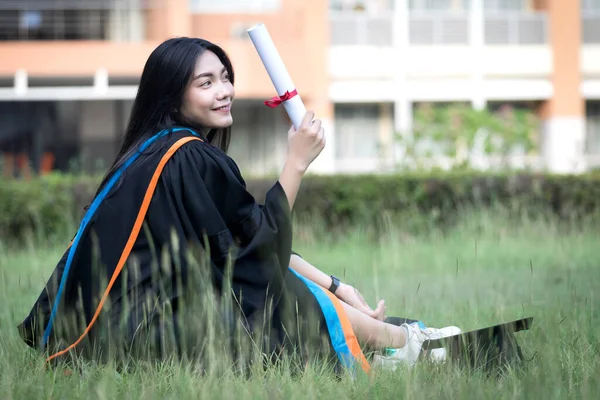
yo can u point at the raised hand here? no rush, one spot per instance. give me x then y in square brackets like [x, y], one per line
[306, 143]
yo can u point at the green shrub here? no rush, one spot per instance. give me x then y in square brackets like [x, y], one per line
[54, 204]
[418, 201]
[43, 206]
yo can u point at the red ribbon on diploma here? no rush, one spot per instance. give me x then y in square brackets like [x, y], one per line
[277, 100]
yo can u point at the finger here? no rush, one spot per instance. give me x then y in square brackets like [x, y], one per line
[316, 126]
[308, 117]
[367, 310]
[380, 308]
[364, 307]
[321, 134]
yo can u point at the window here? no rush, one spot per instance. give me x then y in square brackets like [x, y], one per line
[429, 5]
[590, 5]
[438, 22]
[593, 128]
[53, 24]
[438, 5]
[590, 19]
[370, 6]
[504, 5]
[234, 6]
[344, 5]
[356, 131]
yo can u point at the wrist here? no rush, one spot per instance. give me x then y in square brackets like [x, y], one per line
[334, 287]
[295, 165]
[341, 291]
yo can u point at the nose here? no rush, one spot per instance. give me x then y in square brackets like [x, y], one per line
[225, 91]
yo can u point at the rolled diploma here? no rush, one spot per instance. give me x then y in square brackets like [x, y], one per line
[277, 72]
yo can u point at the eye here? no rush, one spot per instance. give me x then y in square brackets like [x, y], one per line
[205, 84]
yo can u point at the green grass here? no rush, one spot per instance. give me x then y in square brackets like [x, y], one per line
[487, 270]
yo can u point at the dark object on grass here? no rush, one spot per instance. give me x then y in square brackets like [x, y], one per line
[491, 349]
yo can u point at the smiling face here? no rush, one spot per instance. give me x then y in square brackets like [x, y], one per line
[207, 99]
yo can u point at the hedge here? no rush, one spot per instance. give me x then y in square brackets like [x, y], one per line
[55, 203]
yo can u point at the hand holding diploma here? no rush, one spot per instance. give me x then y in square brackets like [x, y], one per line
[306, 143]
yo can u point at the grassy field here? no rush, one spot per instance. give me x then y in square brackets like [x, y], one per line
[485, 271]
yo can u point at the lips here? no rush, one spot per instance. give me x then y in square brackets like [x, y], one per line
[224, 108]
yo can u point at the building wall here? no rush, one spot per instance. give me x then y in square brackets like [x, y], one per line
[305, 38]
[360, 71]
[299, 30]
[489, 53]
[564, 114]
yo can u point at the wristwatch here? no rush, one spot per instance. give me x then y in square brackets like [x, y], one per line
[335, 283]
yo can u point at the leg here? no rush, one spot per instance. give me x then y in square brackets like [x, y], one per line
[373, 332]
[406, 338]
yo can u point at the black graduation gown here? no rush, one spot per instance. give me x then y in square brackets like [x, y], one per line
[200, 207]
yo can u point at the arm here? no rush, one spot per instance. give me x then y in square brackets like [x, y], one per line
[304, 145]
[309, 271]
[290, 180]
[344, 292]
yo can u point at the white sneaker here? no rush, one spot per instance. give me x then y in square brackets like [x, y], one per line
[409, 354]
[439, 355]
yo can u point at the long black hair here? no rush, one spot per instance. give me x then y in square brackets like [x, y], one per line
[164, 80]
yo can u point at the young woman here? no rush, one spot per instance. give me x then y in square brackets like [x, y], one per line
[172, 191]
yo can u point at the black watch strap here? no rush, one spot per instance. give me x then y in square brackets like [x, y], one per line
[335, 283]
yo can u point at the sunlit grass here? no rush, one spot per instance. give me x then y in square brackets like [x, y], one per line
[486, 270]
